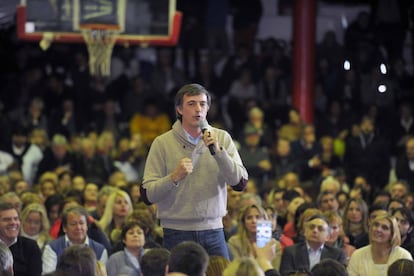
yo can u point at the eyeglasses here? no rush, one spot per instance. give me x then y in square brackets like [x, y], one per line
[320, 228]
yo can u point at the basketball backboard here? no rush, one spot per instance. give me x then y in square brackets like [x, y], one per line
[140, 22]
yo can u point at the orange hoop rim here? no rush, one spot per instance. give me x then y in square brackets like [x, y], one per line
[96, 26]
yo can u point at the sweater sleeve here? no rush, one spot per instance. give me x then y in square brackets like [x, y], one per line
[231, 165]
[156, 184]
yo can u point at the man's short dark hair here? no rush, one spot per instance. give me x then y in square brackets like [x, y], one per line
[400, 201]
[190, 258]
[289, 195]
[4, 206]
[154, 262]
[77, 260]
[406, 213]
[401, 267]
[328, 267]
[377, 206]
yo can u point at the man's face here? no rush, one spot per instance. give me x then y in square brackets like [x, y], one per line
[9, 225]
[76, 228]
[193, 110]
[409, 146]
[59, 151]
[309, 135]
[233, 199]
[283, 148]
[316, 231]
[278, 202]
[398, 191]
[394, 205]
[19, 140]
[329, 203]
[367, 126]
[403, 224]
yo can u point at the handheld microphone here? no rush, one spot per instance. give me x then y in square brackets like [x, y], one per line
[204, 126]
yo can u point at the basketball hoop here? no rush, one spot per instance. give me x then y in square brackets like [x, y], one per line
[100, 40]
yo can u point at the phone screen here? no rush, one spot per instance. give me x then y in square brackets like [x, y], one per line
[263, 232]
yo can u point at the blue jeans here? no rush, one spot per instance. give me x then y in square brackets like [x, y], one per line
[213, 241]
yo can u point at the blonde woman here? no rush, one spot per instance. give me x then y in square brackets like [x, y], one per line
[241, 244]
[216, 265]
[243, 266]
[35, 224]
[383, 249]
[118, 207]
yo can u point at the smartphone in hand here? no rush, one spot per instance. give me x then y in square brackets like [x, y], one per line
[263, 232]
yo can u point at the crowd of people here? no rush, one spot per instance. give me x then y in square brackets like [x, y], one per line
[122, 165]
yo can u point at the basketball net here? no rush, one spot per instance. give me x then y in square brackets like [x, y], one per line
[100, 42]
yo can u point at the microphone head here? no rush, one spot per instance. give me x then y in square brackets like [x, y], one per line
[203, 124]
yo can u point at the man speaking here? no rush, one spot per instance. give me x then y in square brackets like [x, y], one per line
[186, 174]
